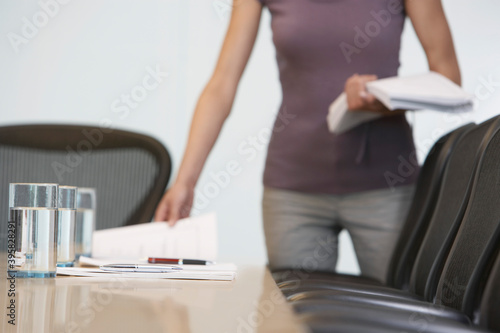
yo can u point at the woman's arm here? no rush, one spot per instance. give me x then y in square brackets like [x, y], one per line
[214, 106]
[429, 22]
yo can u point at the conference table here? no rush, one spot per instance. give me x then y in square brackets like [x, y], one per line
[250, 303]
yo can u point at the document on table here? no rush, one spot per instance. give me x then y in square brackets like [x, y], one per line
[193, 238]
[185, 274]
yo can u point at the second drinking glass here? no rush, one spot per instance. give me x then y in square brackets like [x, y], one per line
[66, 226]
[85, 221]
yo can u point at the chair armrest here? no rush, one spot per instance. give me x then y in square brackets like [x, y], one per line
[333, 300]
[292, 287]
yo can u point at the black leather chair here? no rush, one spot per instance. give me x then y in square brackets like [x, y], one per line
[130, 171]
[419, 216]
[464, 275]
[451, 205]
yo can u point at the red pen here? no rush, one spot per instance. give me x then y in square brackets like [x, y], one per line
[173, 261]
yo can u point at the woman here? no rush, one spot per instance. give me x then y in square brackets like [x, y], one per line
[317, 183]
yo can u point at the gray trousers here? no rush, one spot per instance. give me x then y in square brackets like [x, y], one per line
[302, 229]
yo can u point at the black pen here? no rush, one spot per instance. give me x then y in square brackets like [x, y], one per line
[139, 268]
[152, 260]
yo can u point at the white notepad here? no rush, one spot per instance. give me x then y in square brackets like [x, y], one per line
[185, 274]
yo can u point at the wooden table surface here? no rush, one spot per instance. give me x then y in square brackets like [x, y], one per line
[250, 303]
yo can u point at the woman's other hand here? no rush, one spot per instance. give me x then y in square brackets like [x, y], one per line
[176, 204]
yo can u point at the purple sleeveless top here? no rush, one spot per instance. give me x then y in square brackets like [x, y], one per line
[319, 44]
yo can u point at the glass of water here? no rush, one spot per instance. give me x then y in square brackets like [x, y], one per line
[85, 221]
[33, 215]
[66, 226]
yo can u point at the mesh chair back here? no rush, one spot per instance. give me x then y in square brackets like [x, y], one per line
[422, 207]
[450, 208]
[478, 238]
[129, 171]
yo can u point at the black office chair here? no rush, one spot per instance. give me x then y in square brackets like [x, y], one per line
[451, 204]
[415, 226]
[129, 170]
[465, 273]
[439, 235]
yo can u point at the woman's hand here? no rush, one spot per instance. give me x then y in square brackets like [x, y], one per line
[175, 204]
[359, 99]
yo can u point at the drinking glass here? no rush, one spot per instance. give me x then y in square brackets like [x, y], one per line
[33, 216]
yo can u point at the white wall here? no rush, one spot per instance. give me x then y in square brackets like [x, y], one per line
[91, 52]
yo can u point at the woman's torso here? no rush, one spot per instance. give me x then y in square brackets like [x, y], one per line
[319, 44]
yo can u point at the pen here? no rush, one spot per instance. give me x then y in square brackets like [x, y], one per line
[179, 261]
[139, 268]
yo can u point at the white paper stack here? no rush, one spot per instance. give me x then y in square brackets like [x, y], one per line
[193, 238]
[222, 272]
[430, 91]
